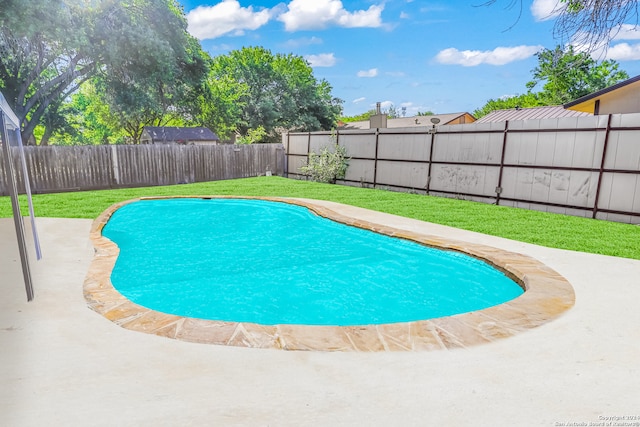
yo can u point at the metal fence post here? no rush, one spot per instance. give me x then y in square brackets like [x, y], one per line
[602, 161]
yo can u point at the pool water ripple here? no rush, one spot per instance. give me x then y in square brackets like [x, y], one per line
[547, 294]
[275, 263]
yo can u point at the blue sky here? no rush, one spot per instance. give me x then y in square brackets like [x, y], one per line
[438, 56]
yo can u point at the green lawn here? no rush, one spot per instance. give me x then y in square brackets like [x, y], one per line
[552, 230]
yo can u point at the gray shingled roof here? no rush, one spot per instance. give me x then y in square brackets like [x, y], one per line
[550, 112]
[180, 134]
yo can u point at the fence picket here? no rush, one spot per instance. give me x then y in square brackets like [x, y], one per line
[72, 168]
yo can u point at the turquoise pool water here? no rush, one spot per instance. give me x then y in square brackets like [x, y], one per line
[266, 262]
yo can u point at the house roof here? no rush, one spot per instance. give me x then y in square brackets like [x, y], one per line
[405, 122]
[175, 134]
[587, 102]
[549, 112]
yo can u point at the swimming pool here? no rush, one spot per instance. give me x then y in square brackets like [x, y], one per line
[272, 263]
[547, 296]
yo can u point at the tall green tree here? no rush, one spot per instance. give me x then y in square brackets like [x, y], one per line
[48, 48]
[163, 94]
[221, 105]
[277, 92]
[92, 118]
[562, 75]
[567, 75]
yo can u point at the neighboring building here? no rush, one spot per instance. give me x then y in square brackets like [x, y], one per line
[178, 135]
[408, 122]
[620, 98]
[536, 113]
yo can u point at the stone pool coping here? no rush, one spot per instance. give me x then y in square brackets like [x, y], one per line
[547, 295]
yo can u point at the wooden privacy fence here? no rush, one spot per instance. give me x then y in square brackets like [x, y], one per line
[74, 168]
[584, 166]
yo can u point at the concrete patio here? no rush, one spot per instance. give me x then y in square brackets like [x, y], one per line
[62, 364]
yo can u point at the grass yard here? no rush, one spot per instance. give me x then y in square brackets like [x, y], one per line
[551, 230]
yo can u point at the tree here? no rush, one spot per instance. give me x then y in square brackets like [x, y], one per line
[93, 119]
[277, 92]
[359, 117]
[160, 95]
[221, 104]
[567, 75]
[591, 24]
[506, 103]
[49, 48]
[391, 112]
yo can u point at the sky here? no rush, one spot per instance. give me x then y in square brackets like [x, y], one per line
[415, 55]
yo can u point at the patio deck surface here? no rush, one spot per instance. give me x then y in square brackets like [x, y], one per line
[62, 364]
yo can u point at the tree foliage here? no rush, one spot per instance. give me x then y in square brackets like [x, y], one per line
[563, 75]
[93, 119]
[593, 23]
[567, 75]
[391, 112]
[221, 104]
[506, 103]
[358, 117]
[48, 48]
[160, 95]
[253, 136]
[277, 92]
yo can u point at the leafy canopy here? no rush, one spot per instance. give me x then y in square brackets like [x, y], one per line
[526, 100]
[277, 92]
[567, 75]
[49, 48]
[562, 75]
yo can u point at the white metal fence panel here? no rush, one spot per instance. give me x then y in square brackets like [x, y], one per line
[585, 166]
[404, 146]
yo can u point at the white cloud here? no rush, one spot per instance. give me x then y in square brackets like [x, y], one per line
[404, 15]
[624, 52]
[209, 22]
[368, 73]
[626, 32]
[321, 60]
[317, 14]
[497, 56]
[385, 105]
[304, 41]
[358, 100]
[607, 50]
[543, 10]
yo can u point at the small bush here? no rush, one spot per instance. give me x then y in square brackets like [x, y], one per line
[327, 166]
